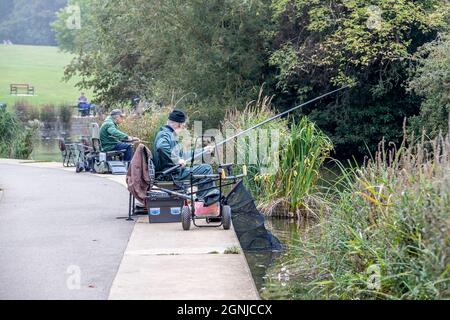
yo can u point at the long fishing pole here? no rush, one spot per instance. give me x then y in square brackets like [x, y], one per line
[260, 124]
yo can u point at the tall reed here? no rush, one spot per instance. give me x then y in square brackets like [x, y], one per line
[65, 113]
[240, 120]
[294, 183]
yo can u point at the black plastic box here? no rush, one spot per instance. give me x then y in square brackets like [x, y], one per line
[163, 207]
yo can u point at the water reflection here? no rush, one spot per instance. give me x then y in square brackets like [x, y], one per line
[46, 141]
[46, 150]
[286, 230]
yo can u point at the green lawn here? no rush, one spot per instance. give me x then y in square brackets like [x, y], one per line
[40, 66]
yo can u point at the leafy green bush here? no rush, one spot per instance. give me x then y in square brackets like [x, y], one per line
[15, 137]
[387, 234]
[209, 111]
[431, 76]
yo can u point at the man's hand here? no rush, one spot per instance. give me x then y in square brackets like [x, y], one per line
[182, 162]
[134, 139]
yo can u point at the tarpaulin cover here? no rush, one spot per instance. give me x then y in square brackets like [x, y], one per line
[248, 222]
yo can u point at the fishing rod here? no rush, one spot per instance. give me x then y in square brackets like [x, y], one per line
[260, 124]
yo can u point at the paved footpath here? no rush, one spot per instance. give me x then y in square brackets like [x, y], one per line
[57, 226]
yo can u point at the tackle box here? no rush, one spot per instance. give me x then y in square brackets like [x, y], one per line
[163, 207]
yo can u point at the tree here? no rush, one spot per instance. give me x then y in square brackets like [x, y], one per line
[218, 53]
[431, 80]
[28, 22]
[213, 50]
[321, 44]
[6, 7]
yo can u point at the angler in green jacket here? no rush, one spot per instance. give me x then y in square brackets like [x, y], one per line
[168, 153]
[111, 138]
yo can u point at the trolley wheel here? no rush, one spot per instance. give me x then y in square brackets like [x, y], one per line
[78, 168]
[226, 217]
[186, 217]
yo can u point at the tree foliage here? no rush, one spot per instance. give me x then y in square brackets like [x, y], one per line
[366, 44]
[219, 53]
[211, 50]
[431, 80]
[28, 22]
[343, 41]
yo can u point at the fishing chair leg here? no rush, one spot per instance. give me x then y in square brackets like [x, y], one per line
[130, 209]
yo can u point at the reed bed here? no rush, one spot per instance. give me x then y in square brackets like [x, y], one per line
[386, 235]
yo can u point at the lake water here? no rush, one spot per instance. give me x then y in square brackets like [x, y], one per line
[46, 150]
[46, 141]
[259, 262]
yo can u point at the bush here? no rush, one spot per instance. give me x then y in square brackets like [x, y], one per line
[47, 113]
[15, 137]
[65, 113]
[146, 126]
[431, 75]
[211, 112]
[387, 234]
[26, 111]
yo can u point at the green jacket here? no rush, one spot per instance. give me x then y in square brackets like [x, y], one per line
[110, 136]
[167, 151]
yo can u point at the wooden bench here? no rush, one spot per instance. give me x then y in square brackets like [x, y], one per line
[14, 88]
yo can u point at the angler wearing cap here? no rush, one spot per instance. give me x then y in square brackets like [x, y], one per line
[168, 153]
[112, 139]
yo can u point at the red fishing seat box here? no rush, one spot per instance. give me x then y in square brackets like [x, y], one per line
[212, 210]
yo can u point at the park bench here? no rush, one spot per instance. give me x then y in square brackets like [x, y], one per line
[15, 88]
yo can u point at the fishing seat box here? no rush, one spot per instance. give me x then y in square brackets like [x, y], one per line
[163, 207]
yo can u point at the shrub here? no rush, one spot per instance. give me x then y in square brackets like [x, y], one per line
[15, 137]
[431, 75]
[65, 113]
[47, 113]
[26, 111]
[145, 126]
[211, 112]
